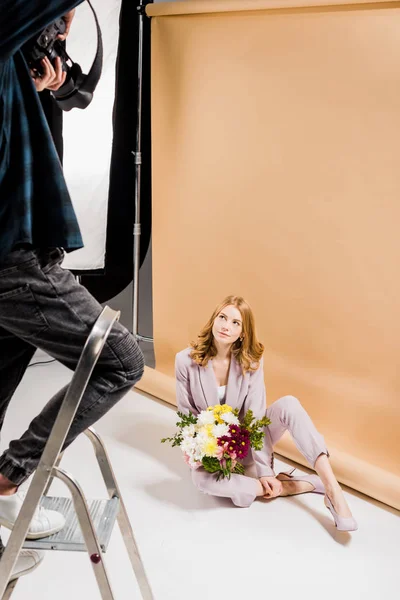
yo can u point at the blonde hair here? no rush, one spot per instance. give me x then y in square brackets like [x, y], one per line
[247, 352]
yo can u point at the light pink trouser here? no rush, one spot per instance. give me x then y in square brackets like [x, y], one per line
[285, 414]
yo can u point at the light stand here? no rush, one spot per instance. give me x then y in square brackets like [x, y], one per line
[138, 172]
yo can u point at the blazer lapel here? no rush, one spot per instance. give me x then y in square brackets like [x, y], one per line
[235, 380]
[208, 384]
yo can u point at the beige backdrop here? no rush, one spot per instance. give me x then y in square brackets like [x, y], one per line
[276, 143]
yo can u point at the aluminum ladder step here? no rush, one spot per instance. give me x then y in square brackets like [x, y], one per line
[103, 513]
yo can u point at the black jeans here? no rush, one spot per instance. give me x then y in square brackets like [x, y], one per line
[43, 306]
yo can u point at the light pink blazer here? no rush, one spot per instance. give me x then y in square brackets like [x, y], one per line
[197, 388]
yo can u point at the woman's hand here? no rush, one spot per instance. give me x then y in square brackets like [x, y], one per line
[272, 486]
[51, 78]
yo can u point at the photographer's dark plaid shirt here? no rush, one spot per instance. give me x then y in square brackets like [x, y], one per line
[35, 206]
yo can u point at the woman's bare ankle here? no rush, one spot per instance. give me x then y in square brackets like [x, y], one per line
[7, 487]
[333, 490]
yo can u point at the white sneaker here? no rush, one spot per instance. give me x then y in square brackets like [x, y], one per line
[44, 523]
[27, 561]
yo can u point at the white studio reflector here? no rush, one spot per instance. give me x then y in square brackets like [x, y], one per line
[88, 133]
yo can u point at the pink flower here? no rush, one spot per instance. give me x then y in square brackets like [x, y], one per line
[221, 450]
[193, 466]
[225, 449]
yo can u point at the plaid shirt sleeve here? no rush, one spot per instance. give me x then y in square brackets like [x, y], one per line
[35, 206]
[20, 20]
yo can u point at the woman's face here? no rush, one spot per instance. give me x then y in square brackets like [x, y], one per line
[228, 325]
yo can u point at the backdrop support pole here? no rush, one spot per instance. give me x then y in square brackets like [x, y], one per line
[138, 172]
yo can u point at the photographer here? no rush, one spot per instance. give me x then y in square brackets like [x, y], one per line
[41, 304]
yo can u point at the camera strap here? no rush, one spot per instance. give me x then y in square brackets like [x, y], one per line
[79, 92]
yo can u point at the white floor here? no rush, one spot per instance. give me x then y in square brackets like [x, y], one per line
[198, 547]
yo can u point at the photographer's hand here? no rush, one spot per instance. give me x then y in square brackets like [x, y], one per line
[68, 20]
[51, 79]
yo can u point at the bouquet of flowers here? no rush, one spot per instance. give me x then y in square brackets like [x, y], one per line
[217, 440]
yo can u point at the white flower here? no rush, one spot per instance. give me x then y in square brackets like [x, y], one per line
[188, 445]
[201, 438]
[203, 431]
[198, 455]
[206, 417]
[194, 450]
[230, 418]
[189, 431]
[194, 462]
[220, 430]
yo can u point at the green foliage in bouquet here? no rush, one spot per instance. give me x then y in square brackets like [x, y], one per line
[213, 465]
[185, 420]
[255, 429]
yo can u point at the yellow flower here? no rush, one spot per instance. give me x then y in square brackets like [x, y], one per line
[220, 409]
[210, 447]
[208, 429]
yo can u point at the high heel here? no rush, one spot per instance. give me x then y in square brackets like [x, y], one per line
[342, 523]
[313, 479]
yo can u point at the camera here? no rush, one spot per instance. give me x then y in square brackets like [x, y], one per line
[47, 44]
[77, 90]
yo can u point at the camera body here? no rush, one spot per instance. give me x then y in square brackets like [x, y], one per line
[48, 44]
[78, 89]
[72, 93]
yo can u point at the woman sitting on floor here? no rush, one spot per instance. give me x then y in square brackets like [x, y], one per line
[225, 365]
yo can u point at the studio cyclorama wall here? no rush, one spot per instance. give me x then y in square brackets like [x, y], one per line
[275, 130]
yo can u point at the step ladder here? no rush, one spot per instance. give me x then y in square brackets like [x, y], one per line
[89, 524]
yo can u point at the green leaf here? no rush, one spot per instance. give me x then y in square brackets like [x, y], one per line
[175, 441]
[239, 469]
[248, 418]
[255, 429]
[211, 464]
[186, 420]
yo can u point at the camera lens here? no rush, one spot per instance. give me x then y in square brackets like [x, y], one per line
[52, 54]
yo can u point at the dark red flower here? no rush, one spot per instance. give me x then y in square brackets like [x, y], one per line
[222, 440]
